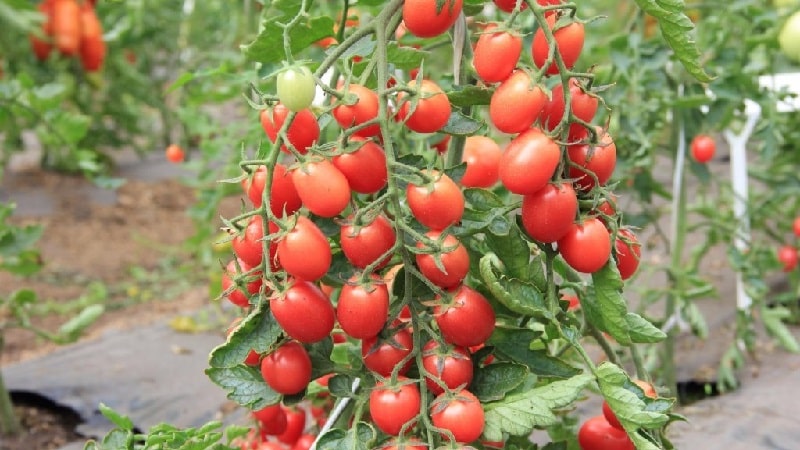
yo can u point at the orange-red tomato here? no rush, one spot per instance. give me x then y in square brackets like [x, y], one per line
[516, 103]
[42, 48]
[599, 160]
[432, 110]
[528, 163]
[422, 18]
[496, 54]
[627, 254]
[569, 43]
[582, 105]
[548, 213]
[363, 110]
[66, 26]
[587, 246]
[174, 153]
[482, 155]
[92, 47]
[323, 189]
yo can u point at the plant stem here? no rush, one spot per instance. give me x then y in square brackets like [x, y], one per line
[9, 424]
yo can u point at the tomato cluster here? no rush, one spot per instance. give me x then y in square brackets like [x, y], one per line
[604, 432]
[72, 28]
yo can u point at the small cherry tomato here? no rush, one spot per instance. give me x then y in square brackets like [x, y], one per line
[628, 255]
[430, 18]
[174, 153]
[597, 434]
[482, 155]
[468, 320]
[302, 133]
[432, 109]
[287, 370]
[304, 312]
[454, 259]
[587, 246]
[529, 162]
[392, 407]
[450, 366]
[304, 252]
[516, 103]
[322, 188]
[363, 245]
[436, 205]
[548, 213]
[703, 148]
[460, 413]
[496, 54]
[381, 355]
[362, 309]
[787, 255]
[569, 43]
[296, 88]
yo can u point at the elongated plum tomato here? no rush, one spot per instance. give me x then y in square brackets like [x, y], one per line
[462, 415]
[548, 213]
[432, 111]
[323, 189]
[237, 297]
[496, 54]
[66, 26]
[295, 423]
[365, 167]
[304, 252]
[392, 407]
[600, 159]
[597, 434]
[648, 390]
[627, 254]
[703, 148]
[528, 162]
[787, 255]
[436, 205]
[287, 370]
[363, 109]
[304, 312]
[586, 247]
[454, 258]
[273, 427]
[296, 88]
[569, 43]
[40, 47]
[283, 197]
[450, 366]
[482, 155]
[304, 442]
[92, 46]
[381, 355]
[267, 413]
[582, 105]
[516, 103]
[248, 245]
[466, 321]
[423, 19]
[302, 133]
[365, 244]
[363, 308]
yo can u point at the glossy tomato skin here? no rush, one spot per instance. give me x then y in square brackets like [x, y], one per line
[438, 205]
[302, 133]
[787, 255]
[364, 168]
[275, 426]
[569, 43]
[496, 54]
[237, 297]
[66, 26]
[628, 255]
[462, 415]
[529, 162]
[548, 213]
[597, 434]
[582, 105]
[92, 46]
[423, 19]
[649, 391]
[295, 424]
[267, 413]
[455, 262]
[482, 155]
[452, 366]
[363, 110]
[304, 252]
[516, 103]
[296, 88]
[392, 407]
[703, 148]
[248, 245]
[174, 153]
[467, 321]
[586, 247]
[304, 442]
[382, 355]
[600, 160]
[364, 245]
[304, 312]
[287, 370]
[283, 200]
[432, 111]
[323, 189]
[796, 226]
[362, 309]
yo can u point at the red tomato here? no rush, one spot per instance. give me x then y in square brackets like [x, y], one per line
[283, 197]
[607, 207]
[305, 252]
[628, 255]
[796, 226]
[468, 320]
[66, 26]
[304, 442]
[423, 19]
[362, 309]
[516, 103]
[268, 413]
[323, 189]
[252, 358]
[482, 155]
[455, 262]
[174, 153]
[496, 54]
[569, 43]
[528, 163]
[363, 110]
[787, 255]
[248, 245]
[409, 444]
[649, 391]
[364, 168]
[273, 427]
[287, 370]
[42, 48]
[237, 297]
[392, 407]
[548, 213]
[432, 110]
[451, 366]
[582, 105]
[600, 160]
[703, 148]
[573, 300]
[304, 312]
[365, 244]
[437, 205]
[462, 415]
[295, 424]
[267, 445]
[302, 132]
[92, 47]
[441, 146]
[597, 434]
[381, 355]
[586, 247]
[509, 5]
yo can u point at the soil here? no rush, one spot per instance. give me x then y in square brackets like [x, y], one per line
[43, 430]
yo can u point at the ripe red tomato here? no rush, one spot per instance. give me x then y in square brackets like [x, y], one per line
[405, 444]
[573, 300]
[455, 262]
[304, 312]
[248, 245]
[363, 110]
[441, 146]
[66, 26]
[92, 47]
[703, 148]
[528, 163]
[364, 245]
[392, 407]
[364, 168]
[304, 252]
[302, 133]
[423, 19]
[582, 105]
[548, 213]
[363, 309]
[468, 320]
[269, 445]
[42, 48]
[451, 366]
[287, 370]
[600, 160]
[304, 442]
[268, 413]
[295, 424]
[482, 155]
[273, 427]
[462, 415]
[787, 255]
[607, 206]
[323, 189]
[796, 226]
[586, 247]
[649, 391]
[174, 153]
[283, 197]
[516, 103]
[432, 111]
[496, 54]
[569, 43]
[597, 434]
[437, 205]
[381, 355]
[237, 297]
[628, 255]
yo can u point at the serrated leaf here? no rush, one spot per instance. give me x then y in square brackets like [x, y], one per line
[258, 331]
[629, 403]
[358, 437]
[469, 96]
[119, 420]
[244, 385]
[456, 173]
[341, 386]
[642, 331]
[482, 199]
[516, 295]
[267, 47]
[404, 57]
[514, 253]
[461, 125]
[320, 354]
[514, 344]
[494, 381]
[607, 309]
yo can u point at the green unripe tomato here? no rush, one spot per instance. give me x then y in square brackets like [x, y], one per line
[789, 38]
[296, 88]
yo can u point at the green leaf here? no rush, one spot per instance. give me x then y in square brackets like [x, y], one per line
[419, 289]
[633, 409]
[71, 127]
[244, 385]
[773, 322]
[469, 96]
[404, 57]
[121, 421]
[258, 331]
[75, 326]
[456, 173]
[514, 344]
[515, 254]
[517, 295]
[341, 386]
[320, 354]
[494, 381]
[461, 125]
[642, 331]
[267, 48]
[358, 437]
[606, 309]
[20, 298]
[362, 47]
[118, 439]
[519, 414]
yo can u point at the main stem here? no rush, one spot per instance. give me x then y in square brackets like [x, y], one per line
[9, 424]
